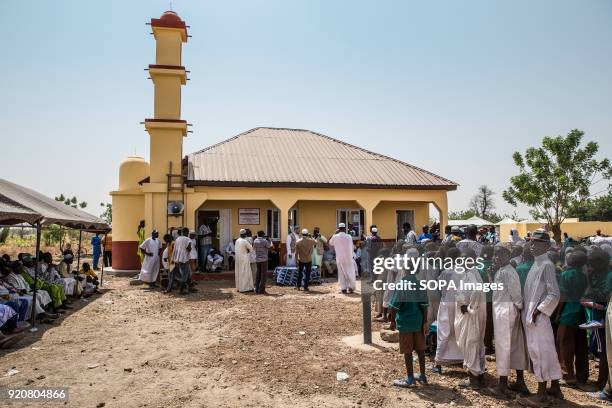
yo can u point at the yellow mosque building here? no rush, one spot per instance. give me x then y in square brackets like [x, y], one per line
[268, 179]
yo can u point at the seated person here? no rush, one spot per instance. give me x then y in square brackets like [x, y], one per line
[19, 289]
[10, 334]
[329, 262]
[214, 260]
[91, 278]
[58, 297]
[230, 252]
[50, 274]
[8, 321]
[20, 306]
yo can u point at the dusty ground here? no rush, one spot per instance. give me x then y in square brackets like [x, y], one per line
[219, 348]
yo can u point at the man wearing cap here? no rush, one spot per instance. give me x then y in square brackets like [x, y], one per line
[540, 298]
[343, 245]
[244, 276]
[150, 266]
[303, 249]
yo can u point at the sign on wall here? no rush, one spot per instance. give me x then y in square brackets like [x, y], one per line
[248, 216]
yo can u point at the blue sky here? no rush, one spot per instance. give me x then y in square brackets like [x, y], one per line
[451, 86]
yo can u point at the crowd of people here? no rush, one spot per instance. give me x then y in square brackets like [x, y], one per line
[47, 291]
[548, 316]
[174, 261]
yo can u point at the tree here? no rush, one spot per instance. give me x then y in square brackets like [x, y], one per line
[4, 234]
[107, 215]
[72, 202]
[461, 215]
[555, 176]
[482, 203]
[465, 214]
[592, 209]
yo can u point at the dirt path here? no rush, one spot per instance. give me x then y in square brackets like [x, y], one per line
[219, 348]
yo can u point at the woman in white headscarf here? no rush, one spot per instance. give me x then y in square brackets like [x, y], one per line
[514, 238]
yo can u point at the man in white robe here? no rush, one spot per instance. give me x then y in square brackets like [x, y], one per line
[470, 323]
[292, 239]
[510, 349]
[244, 276]
[447, 350]
[150, 266]
[19, 295]
[19, 283]
[343, 245]
[541, 296]
[470, 240]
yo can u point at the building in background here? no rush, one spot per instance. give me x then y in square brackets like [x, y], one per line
[264, 179]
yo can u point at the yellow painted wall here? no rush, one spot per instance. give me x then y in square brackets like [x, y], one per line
[385, 217]
[128, 210]
[166, 146]
[168, 46]
[321, 214]
[318, 206]
[167, 97]
[575, 230]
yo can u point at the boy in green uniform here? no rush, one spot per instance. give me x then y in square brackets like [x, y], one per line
[523, 268]
[595, 301]
[571, 340]
[408, 307]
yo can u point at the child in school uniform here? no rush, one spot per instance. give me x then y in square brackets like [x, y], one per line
[408, 307]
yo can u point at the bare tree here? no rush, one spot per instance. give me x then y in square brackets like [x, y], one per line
[482, 203]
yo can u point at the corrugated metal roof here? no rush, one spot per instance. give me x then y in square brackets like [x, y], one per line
[296, 157]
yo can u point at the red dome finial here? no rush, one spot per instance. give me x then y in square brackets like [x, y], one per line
[169, 19]
[170, 16]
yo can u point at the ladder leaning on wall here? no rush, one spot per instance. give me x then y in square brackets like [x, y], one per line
[175, 192]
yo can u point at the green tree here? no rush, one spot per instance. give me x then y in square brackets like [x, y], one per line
[556, 175]
[72, 202]
[4, 234]
[592, 209]
[461, 215]
[54, 234]
[107, 215]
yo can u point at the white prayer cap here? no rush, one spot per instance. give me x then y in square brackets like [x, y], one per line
[342, 225]
[242, 231]
[305, 231]
[374, 229]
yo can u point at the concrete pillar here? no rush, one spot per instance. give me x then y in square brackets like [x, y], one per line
[442, 206]
[368, 206]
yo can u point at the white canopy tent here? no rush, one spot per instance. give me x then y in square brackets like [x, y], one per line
[506, 221]
[477, 221]
[20, 205]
